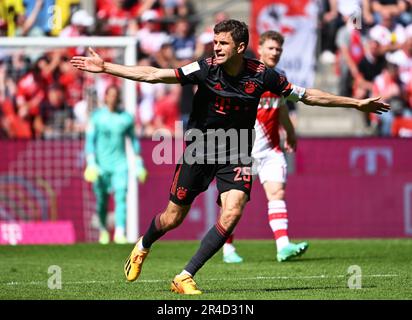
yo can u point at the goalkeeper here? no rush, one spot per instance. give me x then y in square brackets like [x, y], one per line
[107, 165]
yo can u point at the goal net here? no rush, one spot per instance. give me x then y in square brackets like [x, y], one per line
[41, 176]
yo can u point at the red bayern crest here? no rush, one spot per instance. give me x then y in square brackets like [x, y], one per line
[181, 193]
[250, 87]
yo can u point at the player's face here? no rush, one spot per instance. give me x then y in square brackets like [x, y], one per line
[224, 47]
[270, 52]
[112, 97]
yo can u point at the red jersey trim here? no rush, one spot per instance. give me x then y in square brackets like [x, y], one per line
[211, 61]
[177, 75]
[255, 66]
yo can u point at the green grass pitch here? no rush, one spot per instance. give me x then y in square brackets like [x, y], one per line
[92, 271]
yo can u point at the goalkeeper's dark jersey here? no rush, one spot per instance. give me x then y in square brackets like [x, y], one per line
[226, 102]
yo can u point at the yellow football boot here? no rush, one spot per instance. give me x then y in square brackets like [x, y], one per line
[133, 264]
[184, 284]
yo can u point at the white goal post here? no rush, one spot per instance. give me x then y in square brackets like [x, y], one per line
[129, 98]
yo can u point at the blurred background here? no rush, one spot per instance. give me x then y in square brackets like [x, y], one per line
[351, 175]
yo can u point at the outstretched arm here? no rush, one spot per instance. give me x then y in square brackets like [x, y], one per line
[315, 97]
[96, 64]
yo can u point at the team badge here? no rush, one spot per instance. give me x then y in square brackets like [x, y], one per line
[218, 86]
[181, 193]
[250, 87]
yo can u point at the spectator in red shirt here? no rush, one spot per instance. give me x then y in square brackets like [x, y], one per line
[31, 91]
[112, 17]
[167, 110]
[12, 123]
[387, 85]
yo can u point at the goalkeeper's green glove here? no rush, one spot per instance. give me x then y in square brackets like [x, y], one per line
[92, 170]
[91, 173]
[141, 172]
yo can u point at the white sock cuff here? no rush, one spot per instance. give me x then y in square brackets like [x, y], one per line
[184, 272]
[277, 205]
[140, 245]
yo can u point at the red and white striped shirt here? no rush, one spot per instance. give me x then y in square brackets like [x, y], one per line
[267, 124]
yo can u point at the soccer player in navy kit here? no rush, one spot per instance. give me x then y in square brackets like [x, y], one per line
[229, 89]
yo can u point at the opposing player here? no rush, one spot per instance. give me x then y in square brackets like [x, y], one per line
[106, 159]
[269, 159]
[229, 89]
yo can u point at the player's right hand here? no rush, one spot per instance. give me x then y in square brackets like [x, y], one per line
[91, 173]
[93, 64]
[373, 105]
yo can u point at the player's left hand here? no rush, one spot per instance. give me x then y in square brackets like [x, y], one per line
[141, 172]
[373, 105]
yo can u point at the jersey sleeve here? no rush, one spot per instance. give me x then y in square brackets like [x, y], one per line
[277, 83]
[193, 73]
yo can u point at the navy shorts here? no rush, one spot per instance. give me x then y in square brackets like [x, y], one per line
[191, 180]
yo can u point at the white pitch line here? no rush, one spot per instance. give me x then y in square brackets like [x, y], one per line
[322, 276]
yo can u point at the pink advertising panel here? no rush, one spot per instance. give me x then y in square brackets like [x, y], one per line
[59, 232]
[337, 188]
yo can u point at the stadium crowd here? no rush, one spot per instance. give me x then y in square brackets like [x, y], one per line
[42, 96]
[370, 43]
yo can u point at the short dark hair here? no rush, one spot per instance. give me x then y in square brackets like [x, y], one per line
[271, 35]
[238, 30]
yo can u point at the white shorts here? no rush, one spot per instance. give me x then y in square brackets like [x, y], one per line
[271, 167]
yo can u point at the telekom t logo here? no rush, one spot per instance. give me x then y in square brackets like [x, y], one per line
[371, 156]
[11, 233]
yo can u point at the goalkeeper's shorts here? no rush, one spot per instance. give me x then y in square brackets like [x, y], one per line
[109, 182]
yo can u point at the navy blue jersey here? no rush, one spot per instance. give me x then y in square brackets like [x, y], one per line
[226, 102]
[223, 101]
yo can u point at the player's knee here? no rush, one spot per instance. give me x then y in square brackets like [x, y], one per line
[230, 216]
[173, 216]
[171, 221]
